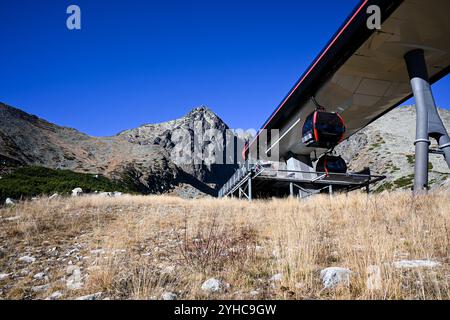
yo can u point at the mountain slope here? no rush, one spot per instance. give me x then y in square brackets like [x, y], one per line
[141, 154]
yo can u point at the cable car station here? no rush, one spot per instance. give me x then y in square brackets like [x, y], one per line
[357, 78]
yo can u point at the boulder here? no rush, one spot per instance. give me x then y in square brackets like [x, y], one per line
[27, 259]
[54, 196]
[212, 285]
[74, 281]
[277, 277]
[4, 276]
[39, 276]
[42, 288]
[169, 296]
[410, 264]
[105, 194]
[334, 276]
[77, 192]
[9, 202]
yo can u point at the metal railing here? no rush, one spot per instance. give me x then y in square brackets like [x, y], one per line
[249, 171]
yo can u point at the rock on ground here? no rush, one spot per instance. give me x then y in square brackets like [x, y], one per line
[277, 277]
[212, 285]
[39, 276]
[54, 196]
[4, 276]
[77, 192]
[334, 276]
[74, 281]
[27, 259]
[169, 296]
[415, 264]
[9, 202]
[42, 288]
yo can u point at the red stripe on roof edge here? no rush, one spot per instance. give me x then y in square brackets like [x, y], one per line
[309, 71]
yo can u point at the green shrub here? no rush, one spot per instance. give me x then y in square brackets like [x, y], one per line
[32, 181]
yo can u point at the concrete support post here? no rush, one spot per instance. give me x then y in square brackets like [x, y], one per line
[421, 88]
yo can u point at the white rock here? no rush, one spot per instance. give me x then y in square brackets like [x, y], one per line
[71, 268]
[117, 194]
[259, 248]
[54, 196]
[334, 276]
[24, 272]
[27, 259]
[55, 296]
[403, 264]
[77, 192]
[212, 285]
[98, 251]
[105, 194]
[11, 219]
[276, 277]
[74, 281]
[169, 296]
[95, 296]
[4, 276]
[39, 276]
[42, 288]
[9, 202]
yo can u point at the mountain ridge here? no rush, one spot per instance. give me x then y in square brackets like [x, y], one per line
[139, 154]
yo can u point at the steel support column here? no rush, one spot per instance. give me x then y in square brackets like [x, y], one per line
[250, 188]
[421, 88]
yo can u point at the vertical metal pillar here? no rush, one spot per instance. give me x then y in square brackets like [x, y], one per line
[291, 189]
[250, 188]
[444, 145]
[421, 88]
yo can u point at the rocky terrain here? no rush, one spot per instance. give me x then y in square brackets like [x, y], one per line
[387, 147]
[142, 154]
[160, 247]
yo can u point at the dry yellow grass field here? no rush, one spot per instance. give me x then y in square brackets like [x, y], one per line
[136, 247]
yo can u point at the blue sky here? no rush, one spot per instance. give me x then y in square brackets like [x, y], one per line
[137, 62]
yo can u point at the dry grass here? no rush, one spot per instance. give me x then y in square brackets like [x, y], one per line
[157, 244]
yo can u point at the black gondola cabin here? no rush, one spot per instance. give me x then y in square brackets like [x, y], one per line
[323, 130]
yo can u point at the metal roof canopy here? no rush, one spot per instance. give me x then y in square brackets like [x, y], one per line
[361, 73]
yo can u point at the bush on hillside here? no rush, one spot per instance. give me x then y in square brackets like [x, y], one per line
[27, 182]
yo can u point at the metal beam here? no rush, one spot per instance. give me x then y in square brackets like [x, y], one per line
[250, 196]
